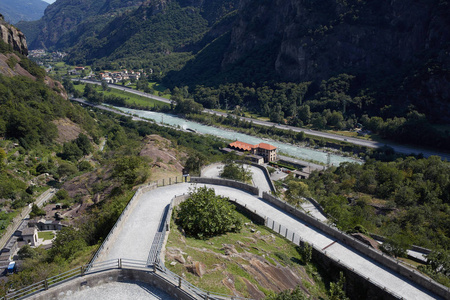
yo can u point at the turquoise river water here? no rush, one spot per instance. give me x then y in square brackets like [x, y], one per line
[290, 150]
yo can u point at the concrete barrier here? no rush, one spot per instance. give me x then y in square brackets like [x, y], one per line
[116, 275]
[226, 182]
[378, 256]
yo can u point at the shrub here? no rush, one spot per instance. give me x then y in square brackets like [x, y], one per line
[206, 214]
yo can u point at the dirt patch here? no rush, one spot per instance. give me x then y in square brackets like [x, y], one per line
[166, 159]
[67, 130]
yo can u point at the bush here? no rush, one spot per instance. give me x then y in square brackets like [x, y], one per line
[206, 214]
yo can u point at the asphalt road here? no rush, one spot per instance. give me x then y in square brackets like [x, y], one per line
[371, 144]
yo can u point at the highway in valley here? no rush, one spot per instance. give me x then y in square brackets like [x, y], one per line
[404, 149]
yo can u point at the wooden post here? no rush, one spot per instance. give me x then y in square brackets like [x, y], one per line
[45, 284]
[179, 282]
[120, 263]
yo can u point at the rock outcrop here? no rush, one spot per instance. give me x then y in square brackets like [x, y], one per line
[13, 36]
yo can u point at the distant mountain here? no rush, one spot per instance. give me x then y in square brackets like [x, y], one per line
[158, 34]
[22, 10]
[67, 21]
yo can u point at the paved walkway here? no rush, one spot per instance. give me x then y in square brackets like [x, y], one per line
[258, 178]
[119, 291]
[313, 211]
[135, 235]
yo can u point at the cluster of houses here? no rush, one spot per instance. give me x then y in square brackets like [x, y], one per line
[41, 53]
[117, 77]
[27, 234]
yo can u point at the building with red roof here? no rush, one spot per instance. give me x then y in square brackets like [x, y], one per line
[267, 151]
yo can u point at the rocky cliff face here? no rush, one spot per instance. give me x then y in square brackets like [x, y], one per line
[12, 36]
[313, 39]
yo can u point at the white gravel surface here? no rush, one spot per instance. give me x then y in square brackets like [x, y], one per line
[119, 291]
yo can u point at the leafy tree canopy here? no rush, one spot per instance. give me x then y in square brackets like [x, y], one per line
[206, 214]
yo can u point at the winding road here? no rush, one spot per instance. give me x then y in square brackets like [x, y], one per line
[135, 233]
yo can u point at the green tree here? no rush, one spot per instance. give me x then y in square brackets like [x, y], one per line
[66, 169]
[84, 144]
[131, 169]
[296, 190]
[194, 163]
[71, 151]
[67, 243]
[205, 214]
[397, 245]
[236, 171]
[295, 294]
[2, 159]
[337, 291]
[439, 261]
[36, 211]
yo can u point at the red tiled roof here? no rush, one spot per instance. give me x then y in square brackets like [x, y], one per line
[265, 146]
[242, 146]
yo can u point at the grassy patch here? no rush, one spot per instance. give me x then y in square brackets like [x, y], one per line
[46, 235]
[131, 99]
[254, 239]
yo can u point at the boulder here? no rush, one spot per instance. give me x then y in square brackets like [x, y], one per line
[197, 268]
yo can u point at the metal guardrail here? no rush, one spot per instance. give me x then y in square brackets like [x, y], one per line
[120, 263]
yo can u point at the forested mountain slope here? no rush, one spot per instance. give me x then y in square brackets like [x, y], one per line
[398, 50]
[67, 21]
[22, 10]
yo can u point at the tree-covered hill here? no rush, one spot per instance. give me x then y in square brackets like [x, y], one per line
[66, 21]
[22, 10]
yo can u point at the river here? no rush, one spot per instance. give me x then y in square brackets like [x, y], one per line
[287, 149]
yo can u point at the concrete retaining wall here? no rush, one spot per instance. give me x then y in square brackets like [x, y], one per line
[265, 171]
[226, 182]
[130, 206]
[117, 275]
[318, 207]
[378, 256]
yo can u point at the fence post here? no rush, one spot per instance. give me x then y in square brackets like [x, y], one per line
[179, 282]
[163, 181]
[170, 180]
[120, 263]
[82, 271]
[46, 284]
